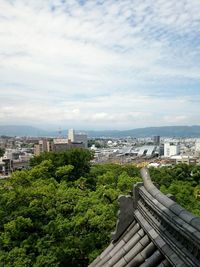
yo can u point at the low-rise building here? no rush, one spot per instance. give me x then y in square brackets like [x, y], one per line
[189, 160]
[59, 146]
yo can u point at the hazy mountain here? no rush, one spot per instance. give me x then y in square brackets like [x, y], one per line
[13, 130]
[167, 131]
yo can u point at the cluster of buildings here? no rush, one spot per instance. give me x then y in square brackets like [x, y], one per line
[61, 144]
[183, 152]
[15, 159]
[154, 151]
[19, 150]
[157, 151]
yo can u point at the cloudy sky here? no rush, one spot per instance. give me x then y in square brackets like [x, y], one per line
[99, 64]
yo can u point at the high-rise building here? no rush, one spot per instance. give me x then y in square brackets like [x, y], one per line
[71, 135]
[82, 138]
[197, 147]
[156, 140]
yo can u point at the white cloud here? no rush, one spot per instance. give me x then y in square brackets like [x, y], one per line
[116, 111]
[99, 64]
[176, 119]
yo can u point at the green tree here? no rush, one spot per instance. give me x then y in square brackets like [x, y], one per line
[51, 215]
[62, 211]
[2, 151]
[78, 158]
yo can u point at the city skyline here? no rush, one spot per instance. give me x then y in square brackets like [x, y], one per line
[99, 64]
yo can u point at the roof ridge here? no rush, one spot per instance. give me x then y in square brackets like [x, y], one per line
[174, 207]
[152, 230]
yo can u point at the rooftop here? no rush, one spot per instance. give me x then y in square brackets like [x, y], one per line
[152, 230]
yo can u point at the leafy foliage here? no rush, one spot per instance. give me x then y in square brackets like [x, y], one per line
[61, 212]
[183, 181]
[54, 215]
[78, 158]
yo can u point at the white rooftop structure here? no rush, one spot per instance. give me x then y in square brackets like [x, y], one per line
[60, 141]
[147, 150]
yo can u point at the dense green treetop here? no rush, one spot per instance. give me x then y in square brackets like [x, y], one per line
[54, 215]
[183, 181]
[78, 158]
[62, 211]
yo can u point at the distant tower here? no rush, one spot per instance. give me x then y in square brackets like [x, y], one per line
[156, 140]
[197, 147]
[59, 132]
[82, 138]
[71, 135]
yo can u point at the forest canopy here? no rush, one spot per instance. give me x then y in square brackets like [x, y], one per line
[62, 211]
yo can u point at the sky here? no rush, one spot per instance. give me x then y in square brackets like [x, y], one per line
[99, 64]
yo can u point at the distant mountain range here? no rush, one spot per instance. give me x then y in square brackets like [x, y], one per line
[167, 131]
[13, 130]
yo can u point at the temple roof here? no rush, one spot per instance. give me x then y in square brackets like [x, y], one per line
[152, 230]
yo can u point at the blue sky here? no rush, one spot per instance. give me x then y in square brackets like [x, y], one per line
[99, 64]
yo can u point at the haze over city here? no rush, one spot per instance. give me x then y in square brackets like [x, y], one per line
[99, 64]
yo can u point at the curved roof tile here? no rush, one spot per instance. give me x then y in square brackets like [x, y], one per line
[152, 230]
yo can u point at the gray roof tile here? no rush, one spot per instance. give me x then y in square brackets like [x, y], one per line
[153, 260]
[121, 263]
[164, 263]
[162, 233]
[131, 232]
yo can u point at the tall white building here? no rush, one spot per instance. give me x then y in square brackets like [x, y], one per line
[171, 149]
[71, 135]
[77, 137]
[197, 146]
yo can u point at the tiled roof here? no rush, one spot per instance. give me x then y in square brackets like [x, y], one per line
[152, 230]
